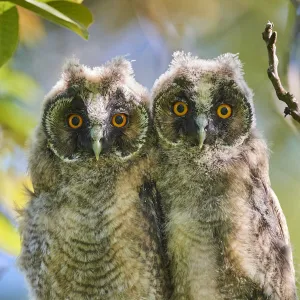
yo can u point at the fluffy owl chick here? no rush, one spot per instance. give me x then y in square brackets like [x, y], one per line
[226, 233]
[90, 230]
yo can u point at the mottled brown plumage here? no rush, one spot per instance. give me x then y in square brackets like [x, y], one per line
[90, 230]
[226, 233]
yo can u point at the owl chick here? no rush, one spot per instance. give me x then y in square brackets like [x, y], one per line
[226, 233]
[90, 230]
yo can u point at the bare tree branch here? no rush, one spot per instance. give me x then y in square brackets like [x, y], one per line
[292, 108]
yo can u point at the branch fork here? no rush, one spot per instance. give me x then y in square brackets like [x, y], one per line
[270, 37]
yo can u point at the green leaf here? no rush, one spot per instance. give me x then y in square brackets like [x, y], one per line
[18, 85]
[5, 6]
[75, 11]
[9, 31]
[48, 12]
[74, 1]
[16, 119]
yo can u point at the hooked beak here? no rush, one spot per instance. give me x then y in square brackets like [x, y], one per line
[97, 135]
[202, 123]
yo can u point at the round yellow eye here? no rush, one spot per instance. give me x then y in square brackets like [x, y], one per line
[75, 121]
[119, 120]
[224, 111]
[180, 108]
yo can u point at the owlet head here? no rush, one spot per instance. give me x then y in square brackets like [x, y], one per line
[96, 113]
[199, 102]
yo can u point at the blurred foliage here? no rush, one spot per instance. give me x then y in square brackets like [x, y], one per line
[13, 198]
[16, 91]
[9, 31]
[31, 27]
[9, 237]
[70, 14]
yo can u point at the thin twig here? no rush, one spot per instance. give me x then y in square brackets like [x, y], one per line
[270, 37]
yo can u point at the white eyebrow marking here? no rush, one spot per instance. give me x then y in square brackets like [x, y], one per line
[204, 97]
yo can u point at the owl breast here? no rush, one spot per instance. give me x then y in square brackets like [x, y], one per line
[195, 253]
[97, 245]
[192, 246]
[200, 215]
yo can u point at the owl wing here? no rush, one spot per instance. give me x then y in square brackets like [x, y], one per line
[153, 212]
[34, 246]
[278, 215]
[274, 251]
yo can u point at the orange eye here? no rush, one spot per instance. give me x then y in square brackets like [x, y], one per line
[180, 108]
[119, 120]
[75, 121]
[224, 111]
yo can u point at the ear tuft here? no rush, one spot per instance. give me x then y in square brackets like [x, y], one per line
[180, 58]
[120, 68]
[232, 64]
[72, 70]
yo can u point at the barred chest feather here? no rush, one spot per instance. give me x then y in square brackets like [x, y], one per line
[201, 204]
[192, 246]
[94, 246]
[194, 252]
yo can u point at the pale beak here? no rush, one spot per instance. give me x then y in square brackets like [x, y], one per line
[202, 123]
[97, 135]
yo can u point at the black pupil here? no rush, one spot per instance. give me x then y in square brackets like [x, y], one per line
[75, 121]
[119, 119]
[224, 111]
[180, 108]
